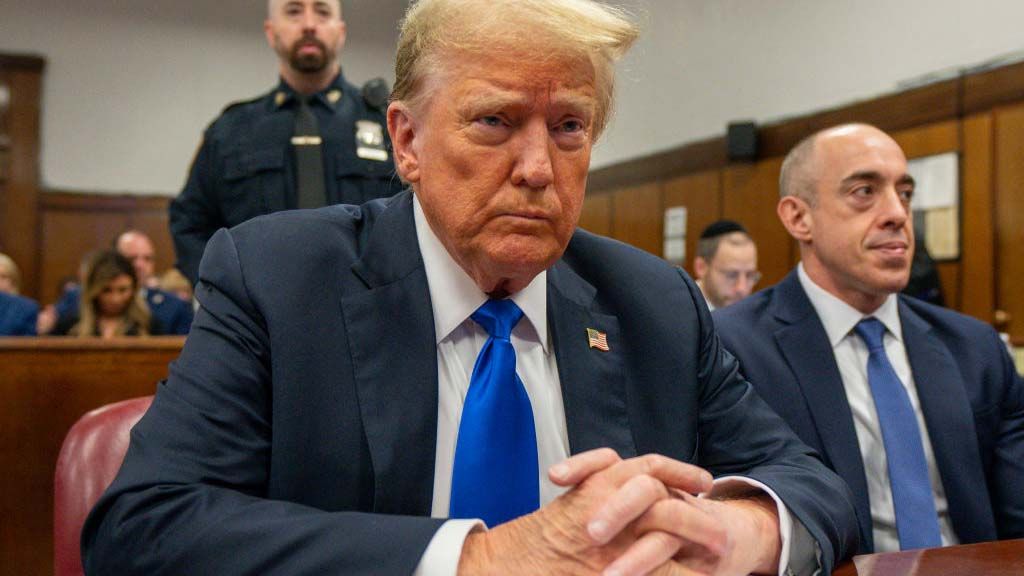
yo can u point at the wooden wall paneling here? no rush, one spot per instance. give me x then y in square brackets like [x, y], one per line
[19, 215]
[74, 224]
[701, 193]
[1009, 204]
[750, 193]
[596, 215]
[977, 261]
[693, 157]
[47, 384]
[66, 238]
[928, 140]
[924, 105]
[638, 218]
[986, 90]
[950, 278]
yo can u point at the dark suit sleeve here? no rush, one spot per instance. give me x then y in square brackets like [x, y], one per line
[194, 215]
[191, 496]
[1007, 477]
[740, 435]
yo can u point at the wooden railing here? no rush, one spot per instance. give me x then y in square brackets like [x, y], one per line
[46, 384]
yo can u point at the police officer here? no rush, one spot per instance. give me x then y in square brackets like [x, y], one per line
[312, 141]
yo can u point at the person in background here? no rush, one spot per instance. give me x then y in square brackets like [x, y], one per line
[10, 275]
[18, 315]
[917, 407]
[325, 415]
[726, 263]
[312, 141]
[173, 314]
[110, 304]
[174, 281]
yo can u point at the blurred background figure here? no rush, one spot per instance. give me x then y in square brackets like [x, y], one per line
[10, 275]
[174, 282]
[726, 263]
[924, 281]
[18, 315]
[110, 304]
[173, 314]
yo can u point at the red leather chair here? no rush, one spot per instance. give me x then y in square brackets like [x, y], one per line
[89, 459]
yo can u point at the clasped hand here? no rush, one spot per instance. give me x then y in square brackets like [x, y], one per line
[631, 517]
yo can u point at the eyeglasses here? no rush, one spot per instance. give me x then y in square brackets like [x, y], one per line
[733, 276]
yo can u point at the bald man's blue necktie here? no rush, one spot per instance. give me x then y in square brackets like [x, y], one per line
[494, 476]
[916, 519]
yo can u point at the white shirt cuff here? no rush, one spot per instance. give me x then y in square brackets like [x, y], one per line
[441, 558]
[800, 553]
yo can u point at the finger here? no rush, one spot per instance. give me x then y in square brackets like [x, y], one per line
[626, 504]
[577, 468]
[646, 555]
[672, 473]
[681, 518]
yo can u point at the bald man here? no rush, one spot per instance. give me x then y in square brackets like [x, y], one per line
[313, 140]
[917, 407]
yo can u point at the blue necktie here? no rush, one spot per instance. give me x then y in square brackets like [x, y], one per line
[916, 519]
[494, 476]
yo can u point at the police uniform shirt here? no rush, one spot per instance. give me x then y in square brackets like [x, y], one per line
[245, 166]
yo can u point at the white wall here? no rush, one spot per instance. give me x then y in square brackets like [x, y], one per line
[702, 63]
[130, 85]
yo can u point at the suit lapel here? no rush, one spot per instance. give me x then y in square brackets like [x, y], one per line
[803, 342]
[950, 423]
[391, 319]
[593, 386]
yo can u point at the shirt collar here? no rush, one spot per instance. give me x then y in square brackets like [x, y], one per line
[454, 296]
[329, 97]
[839, 318]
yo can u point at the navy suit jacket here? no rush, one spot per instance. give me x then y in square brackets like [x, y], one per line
[970, 393]
[17, 315]
[296, 432]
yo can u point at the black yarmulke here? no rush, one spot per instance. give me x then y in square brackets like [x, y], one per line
[722, 227]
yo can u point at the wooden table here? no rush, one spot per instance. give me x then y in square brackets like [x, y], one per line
[1003, 558]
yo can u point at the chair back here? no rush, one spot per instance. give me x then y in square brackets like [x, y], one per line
[89, 459]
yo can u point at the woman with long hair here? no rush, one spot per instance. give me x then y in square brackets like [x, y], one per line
[110, 304]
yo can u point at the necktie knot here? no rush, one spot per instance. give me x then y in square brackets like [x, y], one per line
[871, 331]
[498, 317]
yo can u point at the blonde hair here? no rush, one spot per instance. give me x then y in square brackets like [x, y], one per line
[9, 269]
[174, 281]
[101, 269]
[541, 29]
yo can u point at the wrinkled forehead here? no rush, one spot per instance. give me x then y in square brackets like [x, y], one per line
[514, 74]
[276, 7]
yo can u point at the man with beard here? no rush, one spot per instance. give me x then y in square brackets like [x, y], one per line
[917, 407]
[312, 141]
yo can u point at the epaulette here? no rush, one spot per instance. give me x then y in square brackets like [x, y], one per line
[242, 103]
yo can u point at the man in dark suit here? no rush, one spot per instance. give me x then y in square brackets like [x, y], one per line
[324, 416]
[951, 469]
[17, 315]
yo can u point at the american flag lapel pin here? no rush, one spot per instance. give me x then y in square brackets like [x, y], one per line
[597, 339]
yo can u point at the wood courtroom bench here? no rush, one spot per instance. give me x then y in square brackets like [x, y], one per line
[46, 384]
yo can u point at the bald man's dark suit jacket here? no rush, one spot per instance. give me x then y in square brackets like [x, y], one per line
[296, 432]
[970, 393]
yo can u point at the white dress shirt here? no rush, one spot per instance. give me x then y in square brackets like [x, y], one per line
[454, 297]
[839, 319]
